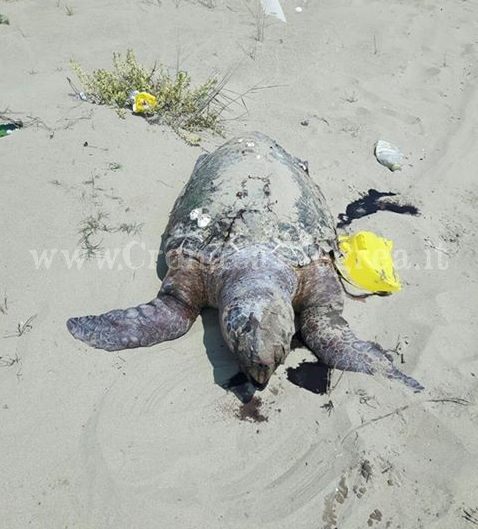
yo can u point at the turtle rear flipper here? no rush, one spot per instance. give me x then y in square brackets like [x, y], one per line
[164, 318]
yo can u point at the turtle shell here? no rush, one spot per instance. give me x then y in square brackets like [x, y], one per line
[250, 191]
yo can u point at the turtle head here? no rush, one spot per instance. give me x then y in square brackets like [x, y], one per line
[257, 318]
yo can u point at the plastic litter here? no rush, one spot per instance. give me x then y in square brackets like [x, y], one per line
[82, 96]
[273, 7]
[202, 218]
[194, 215]
[388, 155]
[7, 128]
[144, 103]
[367, 262]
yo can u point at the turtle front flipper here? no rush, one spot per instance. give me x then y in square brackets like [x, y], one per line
[330, 338]
[164, 318]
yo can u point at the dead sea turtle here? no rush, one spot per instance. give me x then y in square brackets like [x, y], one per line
[251, 234]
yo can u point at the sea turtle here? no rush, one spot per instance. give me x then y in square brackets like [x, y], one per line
[251, 234]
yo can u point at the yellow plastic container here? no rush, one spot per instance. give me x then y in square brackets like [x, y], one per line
[367, 262]
[144, 102]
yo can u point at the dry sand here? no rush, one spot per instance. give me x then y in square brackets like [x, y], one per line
[148, 439]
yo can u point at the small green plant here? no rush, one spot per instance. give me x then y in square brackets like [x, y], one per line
[134, 228]
[179, 104]
[93, 226]
[89, 229]
[4, 20]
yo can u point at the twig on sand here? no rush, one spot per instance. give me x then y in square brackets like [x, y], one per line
[375, 47]
[22, 328]
[260, 25]
[8, 361]
[5, 116]
[210, 4]
[452, 400]
[432, 245]
[31, 121]
[236, 97]
[259, 20]
[328, 407]
[4, 304]
[331, 388]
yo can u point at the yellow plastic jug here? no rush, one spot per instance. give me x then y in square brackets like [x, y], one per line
[367, 262]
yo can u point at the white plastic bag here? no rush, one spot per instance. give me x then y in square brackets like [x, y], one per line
[273, 7]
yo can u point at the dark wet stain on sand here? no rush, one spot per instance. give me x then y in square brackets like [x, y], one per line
[251, 411]
[372, 202]
[312, 376]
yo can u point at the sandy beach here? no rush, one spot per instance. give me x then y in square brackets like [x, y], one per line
[149, 438]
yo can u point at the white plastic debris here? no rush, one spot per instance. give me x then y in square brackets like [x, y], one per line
[132, 95]
[195, 213]
[204, 220]
[298, 9]
[273, 7]
[388, 155]
[250, 144]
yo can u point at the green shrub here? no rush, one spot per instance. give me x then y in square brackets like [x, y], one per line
[180, 105]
